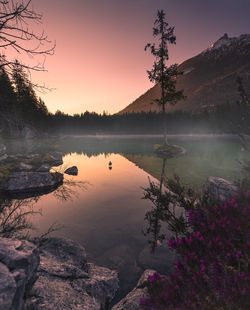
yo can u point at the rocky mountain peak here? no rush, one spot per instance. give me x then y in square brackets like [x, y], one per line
[226, 43]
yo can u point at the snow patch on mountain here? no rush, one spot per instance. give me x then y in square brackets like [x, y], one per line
[226, 43]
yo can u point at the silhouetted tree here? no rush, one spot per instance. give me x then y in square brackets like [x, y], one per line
[18, 35]
[161, 73]
[32, 108]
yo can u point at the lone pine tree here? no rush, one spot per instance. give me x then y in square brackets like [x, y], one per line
[160, 72]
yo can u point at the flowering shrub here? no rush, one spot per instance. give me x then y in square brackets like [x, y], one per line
[212, 271]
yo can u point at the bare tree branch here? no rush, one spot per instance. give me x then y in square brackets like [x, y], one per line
[18, 35]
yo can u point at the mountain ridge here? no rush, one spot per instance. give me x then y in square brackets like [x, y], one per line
[208, 80]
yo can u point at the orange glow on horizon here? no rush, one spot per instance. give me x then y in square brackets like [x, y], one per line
[99, 62]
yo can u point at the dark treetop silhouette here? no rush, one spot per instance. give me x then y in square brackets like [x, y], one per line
[161, 73]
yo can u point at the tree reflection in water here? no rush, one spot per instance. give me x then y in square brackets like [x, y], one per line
[170, 201]
[16, 214]
[70, 190]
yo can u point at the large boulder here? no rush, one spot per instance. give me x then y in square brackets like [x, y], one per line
[31, 182]
[19, 261]
[219, 190]
[67, 281]
[132, 300]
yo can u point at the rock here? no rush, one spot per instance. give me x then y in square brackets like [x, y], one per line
[52, 293]
[63, 258]
[44, 168]
[72, 171]
[132, 300]
[7, 288]
[24, 167]
[31, 182]
[102, 283]
[220, 189]
[19, 261]
[67, 281]
[169, 150]
[54, 158]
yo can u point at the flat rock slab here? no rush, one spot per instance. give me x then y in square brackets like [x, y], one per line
[63, 258]
[67, 281]
[52, 293]
[31, 182]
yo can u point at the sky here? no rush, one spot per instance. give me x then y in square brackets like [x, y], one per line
[100, 63]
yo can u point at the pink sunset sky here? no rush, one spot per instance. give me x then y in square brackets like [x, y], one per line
[100, 63]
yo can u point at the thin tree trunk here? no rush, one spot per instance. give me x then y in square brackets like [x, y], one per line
[162, 174]
[165, 139]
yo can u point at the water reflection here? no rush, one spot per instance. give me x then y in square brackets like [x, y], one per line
[106, 214]
[70, 189]
[16, 216]
[169, 200]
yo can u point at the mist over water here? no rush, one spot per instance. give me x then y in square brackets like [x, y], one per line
[106, 212]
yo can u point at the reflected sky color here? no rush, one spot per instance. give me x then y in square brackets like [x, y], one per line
[107, 215]
[100, 63]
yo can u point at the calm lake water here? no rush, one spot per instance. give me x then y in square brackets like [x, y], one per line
[105, 212]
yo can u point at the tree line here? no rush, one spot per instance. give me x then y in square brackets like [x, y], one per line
[20, 106]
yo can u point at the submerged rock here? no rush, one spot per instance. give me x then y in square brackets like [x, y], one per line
[19, 261]
[169, 150]
[132, 300]
[220, 189]
[31, 182]
[72, 171]
[67, 281]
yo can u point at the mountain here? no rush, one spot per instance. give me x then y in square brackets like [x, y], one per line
[208, 79]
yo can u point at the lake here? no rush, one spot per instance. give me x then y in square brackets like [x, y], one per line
[102, 208]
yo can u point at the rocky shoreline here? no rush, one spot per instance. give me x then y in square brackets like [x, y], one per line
[56, 275]
[52, 275]
[29, 175]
